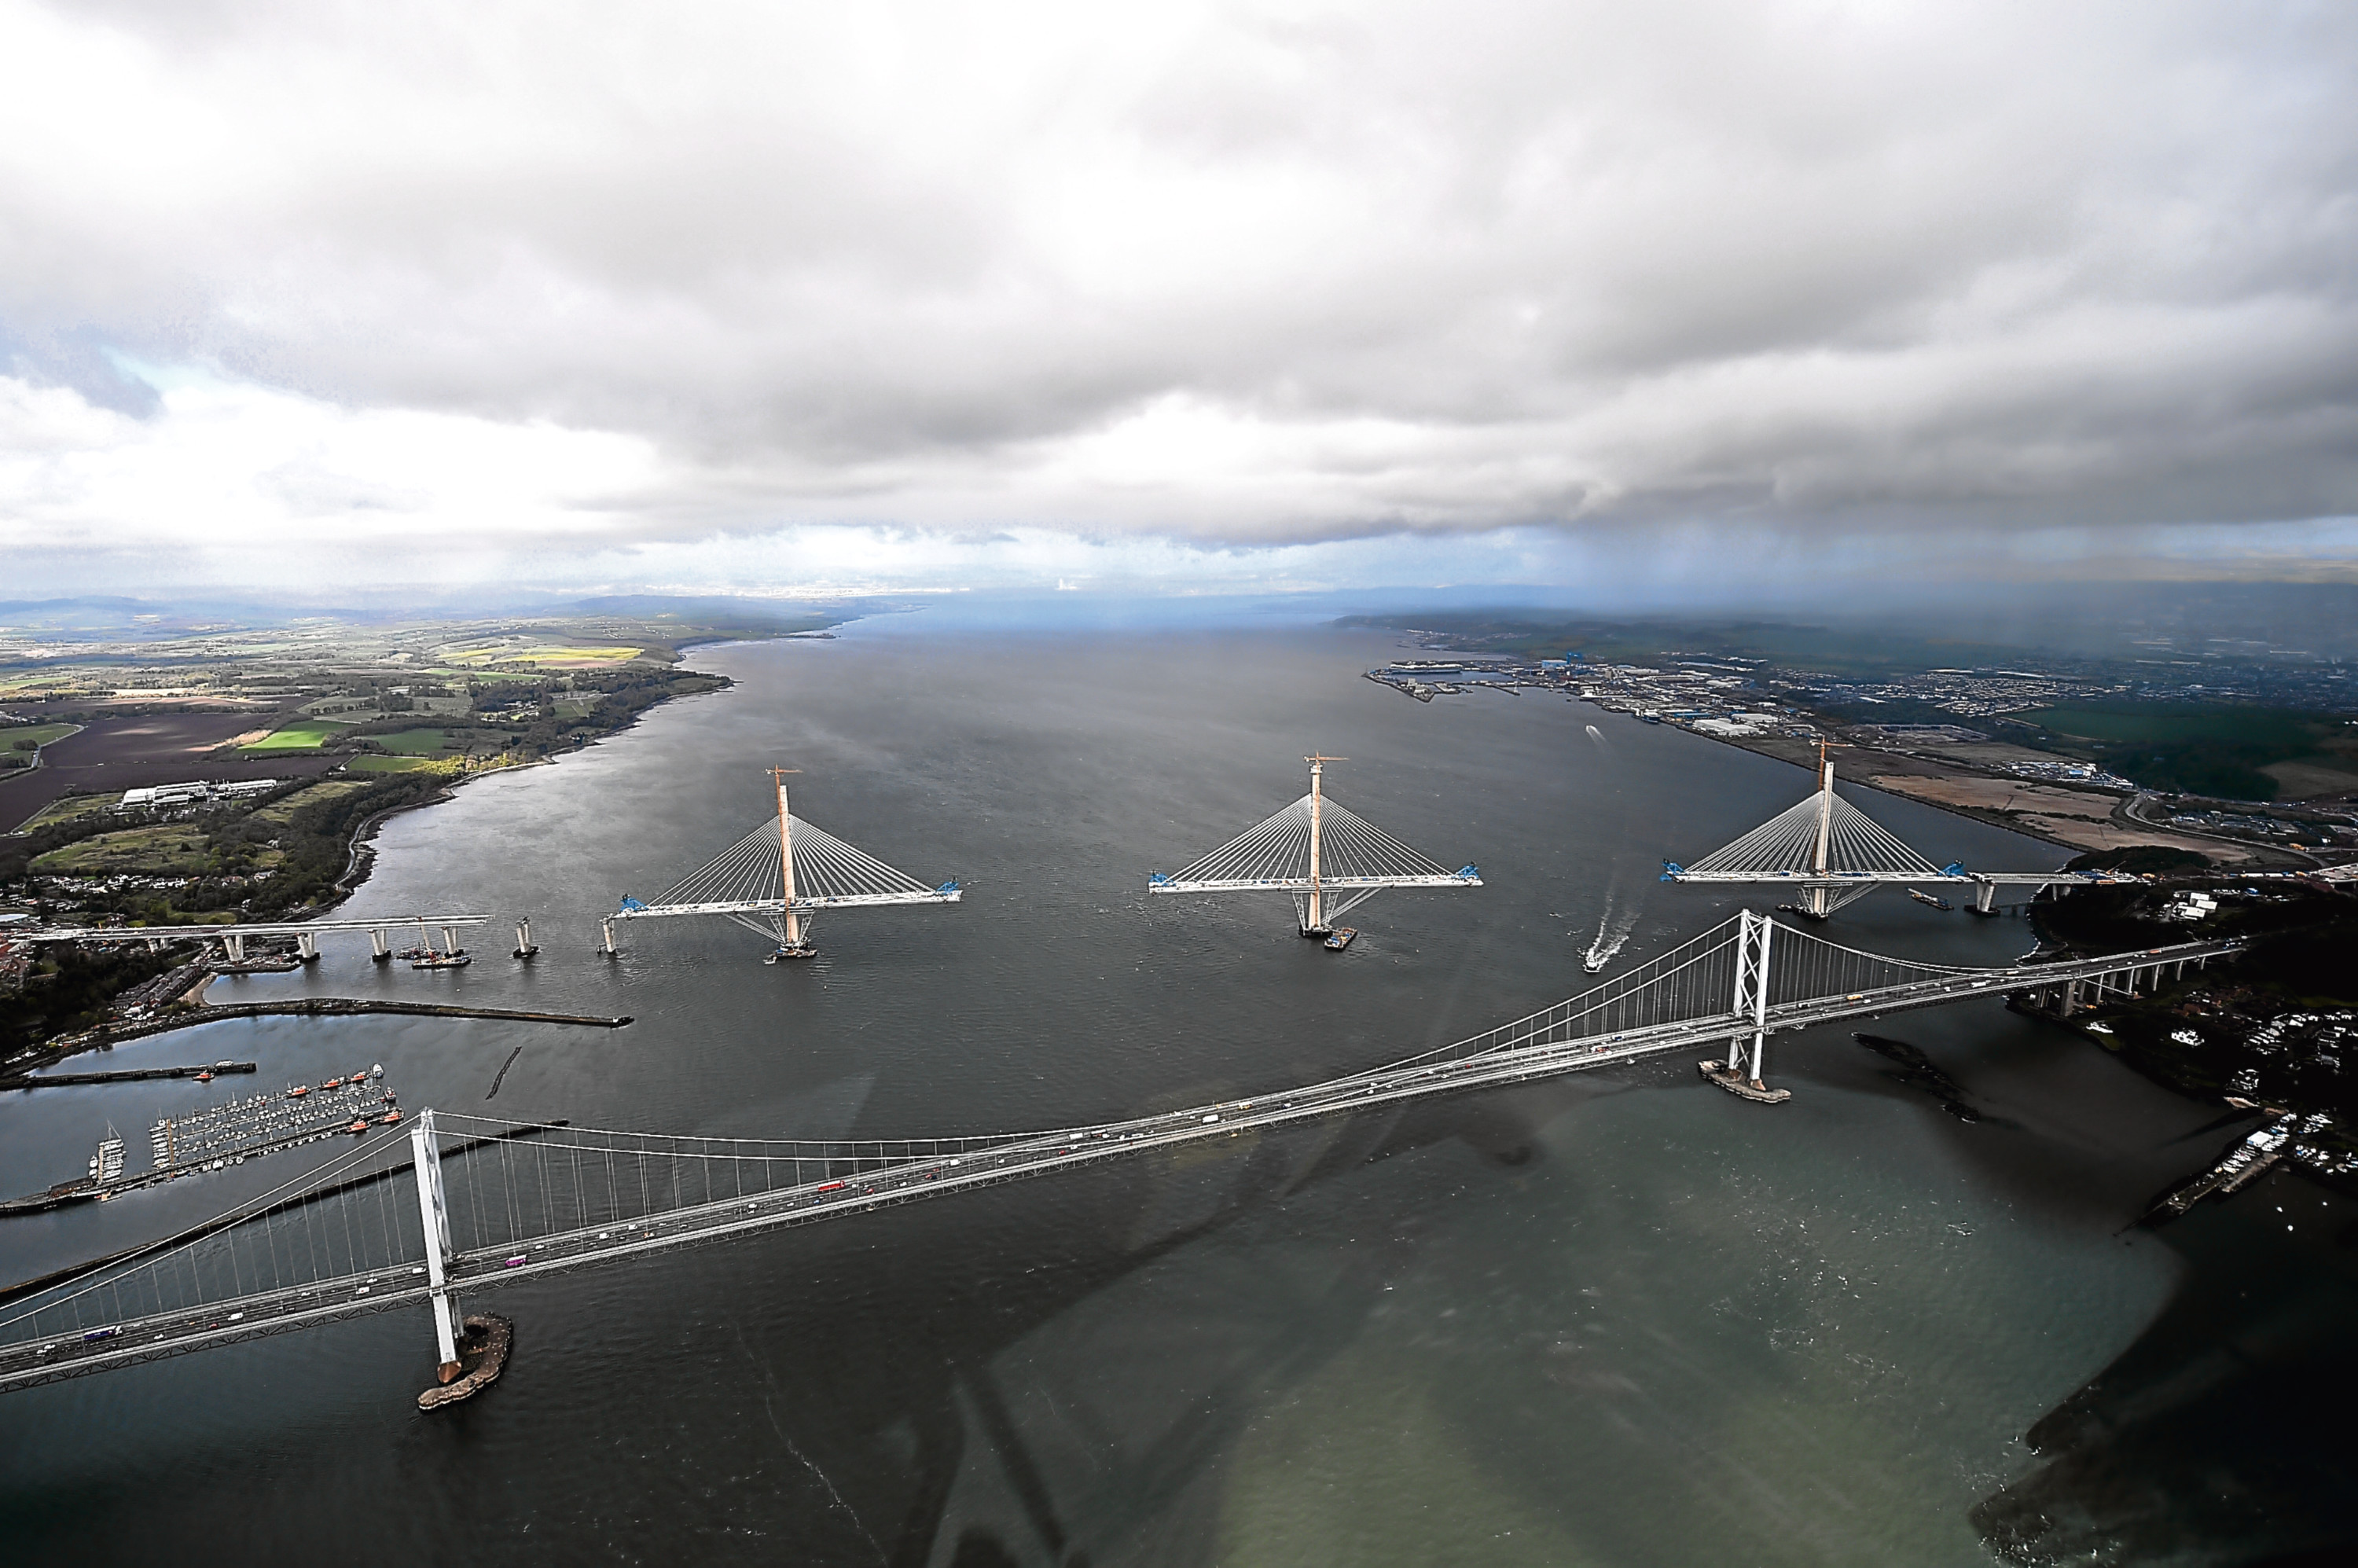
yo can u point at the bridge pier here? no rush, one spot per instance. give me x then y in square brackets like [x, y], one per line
[380, 950]
[606, 939]
[307, 947]
[524, 947]
[1984, 896]
[434, 1212]
[233, 947]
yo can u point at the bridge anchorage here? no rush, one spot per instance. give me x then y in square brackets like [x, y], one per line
[1829, 853]
[1329, 859]
[775, 879]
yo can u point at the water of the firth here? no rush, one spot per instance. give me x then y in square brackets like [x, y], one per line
[1622, 1319]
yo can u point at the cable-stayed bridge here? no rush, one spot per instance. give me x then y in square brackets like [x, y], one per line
[1329, 859]
[776, 878]
[466, 1204]
[1831, 853]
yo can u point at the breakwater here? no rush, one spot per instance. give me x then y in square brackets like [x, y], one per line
[124, 1075]
[310, 1007]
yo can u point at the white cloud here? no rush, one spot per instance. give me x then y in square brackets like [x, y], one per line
[527, 281]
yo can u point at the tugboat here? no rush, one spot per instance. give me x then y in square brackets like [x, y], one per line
[785, 950]
[457, 959]
[1928, 898]
[1340, 937]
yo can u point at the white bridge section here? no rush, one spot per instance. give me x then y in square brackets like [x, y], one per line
[507, 1201]
[1831, 853]
[1331, 858]
[306, 933]
[776, 877]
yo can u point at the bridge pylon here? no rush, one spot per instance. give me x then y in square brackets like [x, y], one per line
[434, 1210]
[1738, 1074]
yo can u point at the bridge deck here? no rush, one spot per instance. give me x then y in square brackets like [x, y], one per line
[30, 1363]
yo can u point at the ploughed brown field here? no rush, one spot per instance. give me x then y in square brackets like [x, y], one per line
[125, 751]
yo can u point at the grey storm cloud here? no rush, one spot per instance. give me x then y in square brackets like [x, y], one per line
[1239, 274]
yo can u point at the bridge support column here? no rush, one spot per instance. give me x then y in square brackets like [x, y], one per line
[307, 946]
[606, 938]
[233, 946]
[380, 950]
[450, 942]
[434, 1211]
[1985, 897]
[524, 947]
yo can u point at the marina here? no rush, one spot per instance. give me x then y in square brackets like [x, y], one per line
[216, 1137]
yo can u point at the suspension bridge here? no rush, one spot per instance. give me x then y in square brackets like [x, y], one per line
[1829, 853]
[467, 1204]
[1330, 860]
[775, 880]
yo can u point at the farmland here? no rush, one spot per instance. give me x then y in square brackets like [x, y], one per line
[281, 812]
[401, 764]
[413, 743]
[33, 737]
[540, 656]
[2240, 753]
[114, 751]
[308, 735]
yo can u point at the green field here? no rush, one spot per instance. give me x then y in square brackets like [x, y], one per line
[544, 655]
[2236, 753]
[33, 737]
[281, 812]
[413, 743]
[170, 850]
[308, 735]
[65, 807]
[370, 764]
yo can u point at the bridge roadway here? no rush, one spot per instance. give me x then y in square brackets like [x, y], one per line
[28, 1364]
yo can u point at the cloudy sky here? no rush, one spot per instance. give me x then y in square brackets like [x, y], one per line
[1185, 297]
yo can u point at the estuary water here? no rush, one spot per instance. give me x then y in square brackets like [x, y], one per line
[1619, 1319]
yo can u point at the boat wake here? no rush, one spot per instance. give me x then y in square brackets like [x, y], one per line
[1613, 929]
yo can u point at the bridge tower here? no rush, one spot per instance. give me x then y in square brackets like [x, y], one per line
[1326, 856]
[434, 1209]
[776, 879]
[1740, 1076]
